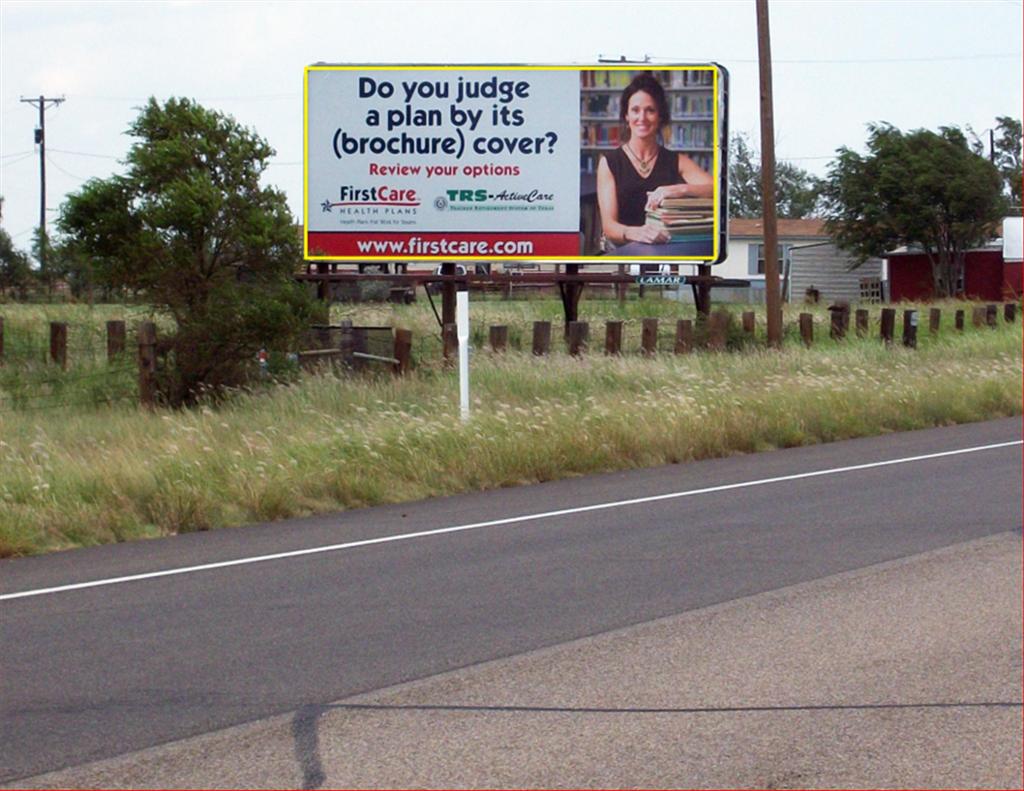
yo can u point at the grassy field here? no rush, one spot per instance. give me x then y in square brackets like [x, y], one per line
[93, 472]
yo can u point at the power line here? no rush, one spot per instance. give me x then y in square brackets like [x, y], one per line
[17, 154]
[853, 61]
[292, 162]
[62, 170]
[22, 158]
[253, 98]
[82, 154]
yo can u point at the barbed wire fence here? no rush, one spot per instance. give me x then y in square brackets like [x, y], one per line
[51, 366]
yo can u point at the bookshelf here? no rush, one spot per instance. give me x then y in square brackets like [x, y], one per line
[690, 95]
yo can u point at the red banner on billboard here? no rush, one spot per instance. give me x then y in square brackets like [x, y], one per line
[454, 245]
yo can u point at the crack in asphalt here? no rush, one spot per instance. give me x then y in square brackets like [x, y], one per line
[305, 724]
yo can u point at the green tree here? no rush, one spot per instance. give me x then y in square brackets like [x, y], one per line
[1008, 156]
[55, 269]
[189, 228]
[1004, 151]
[919, 188]
[797, 192]
[15, 269]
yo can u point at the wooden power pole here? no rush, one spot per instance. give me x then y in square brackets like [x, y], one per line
[771, 236]
[42, 103]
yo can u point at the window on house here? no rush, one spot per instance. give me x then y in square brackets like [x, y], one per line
[757, 259]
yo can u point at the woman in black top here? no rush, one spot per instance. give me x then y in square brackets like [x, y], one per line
[641, 173]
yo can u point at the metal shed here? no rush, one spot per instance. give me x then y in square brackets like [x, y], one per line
[826, 268]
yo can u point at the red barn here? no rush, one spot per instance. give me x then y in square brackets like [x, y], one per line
[991, 273]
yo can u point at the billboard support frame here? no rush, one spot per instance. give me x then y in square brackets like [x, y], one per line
[702, 284]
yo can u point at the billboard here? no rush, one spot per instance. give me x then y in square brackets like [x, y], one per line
[570, 164]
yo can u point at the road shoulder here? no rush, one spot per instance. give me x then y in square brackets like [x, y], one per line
[903, 674]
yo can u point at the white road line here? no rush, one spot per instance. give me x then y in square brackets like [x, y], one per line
[495, 522]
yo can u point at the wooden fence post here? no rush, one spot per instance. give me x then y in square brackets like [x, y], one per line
[360, 343]
[910, 329]
[840, 320]
[684, 336]
[613, 337]
[649, 337]
[718, 328]
[147, 364]
[1009, 316]
[499, 337]
[323, 337]
[958, 320]
[59, 343]
[403, 351]
[450, 342]
[991, 316]
[863, 319]
[348, 343]
[888, 325]
[541, 337]
[116, 335]
[807, 329]
[934, 320]
[749, 322]
[978, 316]
[579, 331]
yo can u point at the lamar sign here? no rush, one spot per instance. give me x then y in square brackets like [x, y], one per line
[553, 163]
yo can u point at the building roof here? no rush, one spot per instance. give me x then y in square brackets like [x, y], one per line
[787, 229]
[989, 247]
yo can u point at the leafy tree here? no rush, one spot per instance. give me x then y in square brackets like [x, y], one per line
[1005, 154]
[190, 228]
[1008, 156]
[56, 266]
[797, 192]
[15, 269]
[918, 188]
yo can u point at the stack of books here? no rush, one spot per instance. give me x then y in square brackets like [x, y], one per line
[684, 219]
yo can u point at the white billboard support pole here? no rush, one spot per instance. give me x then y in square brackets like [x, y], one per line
[462, 328]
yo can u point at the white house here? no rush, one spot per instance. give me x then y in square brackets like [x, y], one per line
[746, 257]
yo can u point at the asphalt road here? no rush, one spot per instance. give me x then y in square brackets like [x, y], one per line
[97, 672]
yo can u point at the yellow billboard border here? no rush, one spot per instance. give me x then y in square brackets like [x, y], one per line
[716, 160]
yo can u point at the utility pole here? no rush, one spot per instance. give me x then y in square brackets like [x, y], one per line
[771, 236]
[42, 103]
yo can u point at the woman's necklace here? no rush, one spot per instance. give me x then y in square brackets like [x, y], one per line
[643, 166]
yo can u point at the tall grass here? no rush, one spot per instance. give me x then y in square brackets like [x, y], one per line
[116, 473]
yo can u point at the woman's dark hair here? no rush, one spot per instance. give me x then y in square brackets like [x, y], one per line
[648, 84]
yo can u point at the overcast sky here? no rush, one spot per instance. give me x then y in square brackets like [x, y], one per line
[838, 65]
